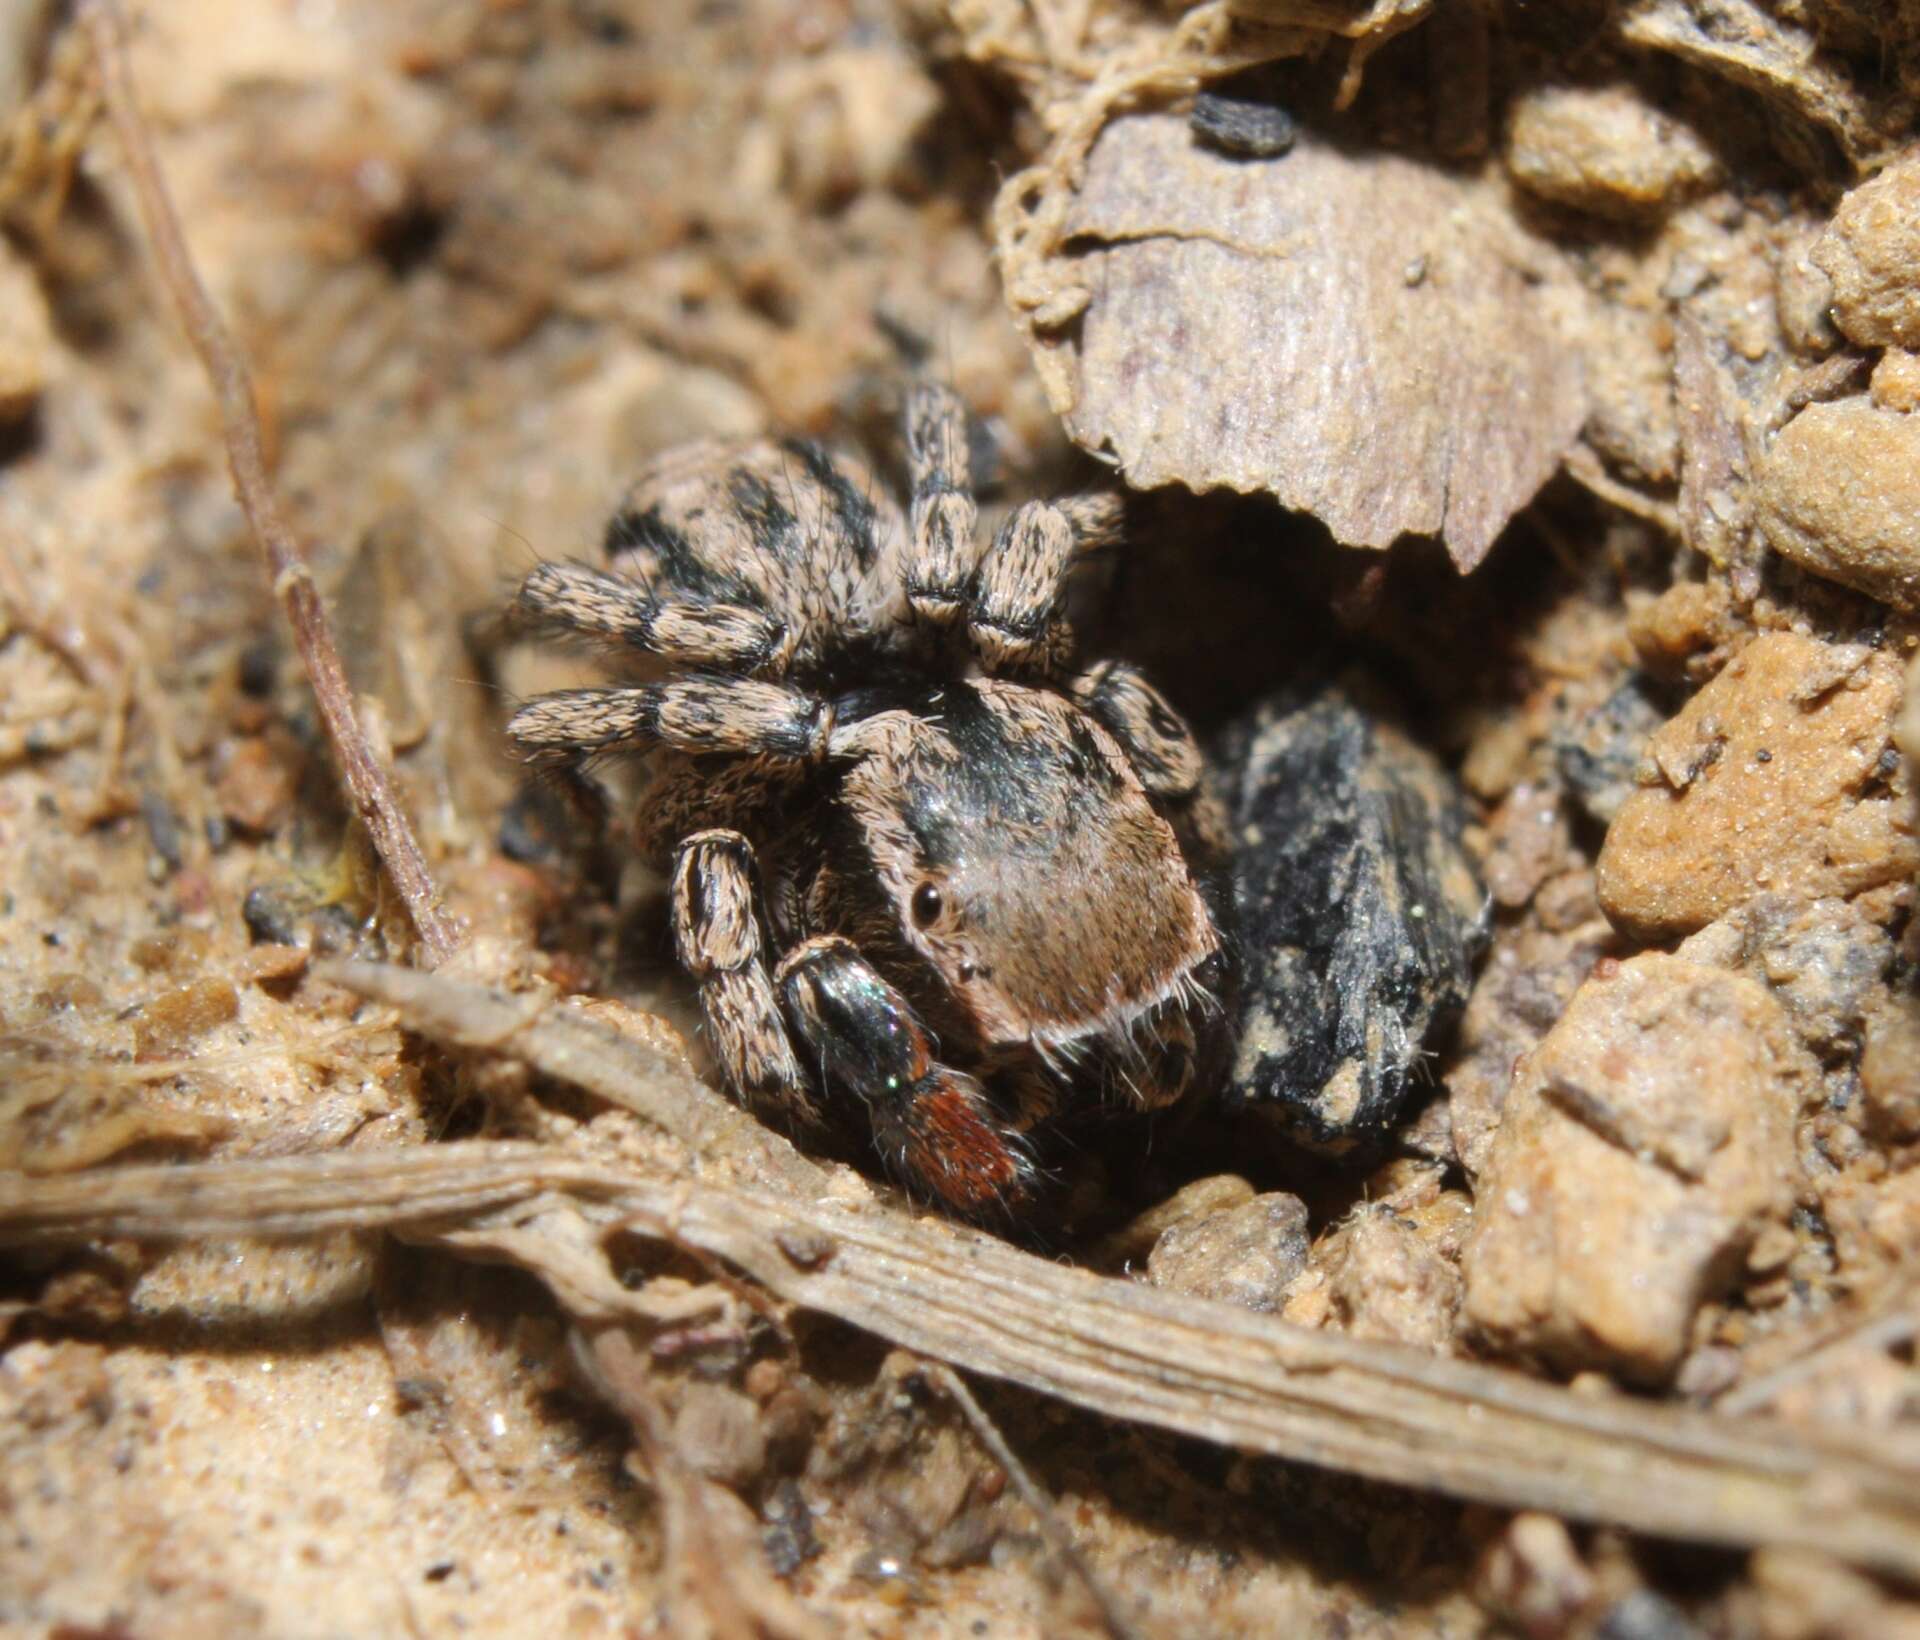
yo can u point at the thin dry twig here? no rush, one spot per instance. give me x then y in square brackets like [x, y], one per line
[1034, 1495]
[572, 1048]
[1876, 1334]
[1226, 1375]
[1114, 1347]
[368, 784]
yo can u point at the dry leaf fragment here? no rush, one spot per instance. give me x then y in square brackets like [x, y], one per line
[1366, 337]
[1776, 52]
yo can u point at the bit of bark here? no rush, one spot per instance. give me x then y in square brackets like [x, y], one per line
[1364, 337]
[1175, 1363]
[1755, 46]
[1714, 507]
[368, 785]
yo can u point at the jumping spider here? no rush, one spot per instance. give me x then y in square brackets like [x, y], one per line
[914, 857]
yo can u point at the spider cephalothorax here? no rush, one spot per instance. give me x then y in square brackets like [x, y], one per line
[915, 858]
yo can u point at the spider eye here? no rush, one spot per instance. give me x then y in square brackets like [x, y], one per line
[927, 905]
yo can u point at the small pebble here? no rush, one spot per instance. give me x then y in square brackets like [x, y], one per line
[1646, 1145]
[1896, 381]
[1604, 150]
[1871, 252]
[1839, 494]
[1245, 1255]
[1241, 128]
[1716, 825]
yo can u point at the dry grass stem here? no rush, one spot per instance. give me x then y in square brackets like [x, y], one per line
[571, 1048]
[1111, 1346]
[1878, 1333]
[368, 785]
[1052, 1528]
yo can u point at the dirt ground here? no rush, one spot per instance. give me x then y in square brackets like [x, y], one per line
[1556, 371]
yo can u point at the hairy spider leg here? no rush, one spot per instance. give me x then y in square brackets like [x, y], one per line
[575, 600]
[933, 1124]
[942, 516]
[1014, 618]
[1161, 748]
[720, 938]
[1154, 736]
[703, 712]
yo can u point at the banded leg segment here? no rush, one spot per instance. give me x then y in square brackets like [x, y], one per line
[573, 600]
[933, 1124]
[1161, 749]
[942, 513]
[1154, 736]
[720, 940]
[1015, 620]
[702, 713]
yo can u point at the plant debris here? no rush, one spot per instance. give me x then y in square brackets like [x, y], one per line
[1370, 341]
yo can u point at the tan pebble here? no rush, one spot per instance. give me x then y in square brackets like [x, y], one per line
[169, 1024]
[1890, 1073]
[1871, 252]
[1384, 1281]
[1245, 1255]
[1839, 494]
[1896, 381]
[1533, 1576]
[1766, 785]
[1215, 1193]
[1646, 1145]
[254, 787]
[1605, 150]
[1906, 728]
[1688, 617]
[26, 338]
[1771, 1250]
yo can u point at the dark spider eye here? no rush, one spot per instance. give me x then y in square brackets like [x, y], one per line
[927, 905]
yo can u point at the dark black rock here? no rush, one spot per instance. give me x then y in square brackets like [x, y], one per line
[1360, 914]
[163, 829]
[536, 827]
[1242, 128]
[271, 915]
